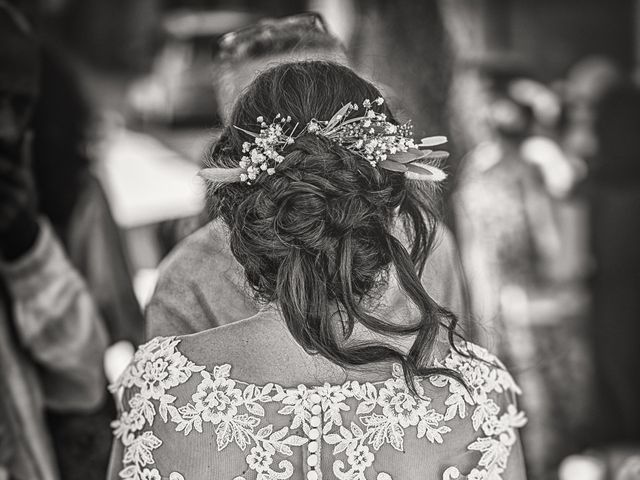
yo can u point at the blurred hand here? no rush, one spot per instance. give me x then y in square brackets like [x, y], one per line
[630, 469]
[18, 225]
[582, 467]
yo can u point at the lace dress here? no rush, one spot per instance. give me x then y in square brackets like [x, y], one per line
[182, 421]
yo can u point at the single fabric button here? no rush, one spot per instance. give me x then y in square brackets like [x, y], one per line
[312, 460]
[315, 421]
[316, 409]
[313, 446]
[314, 398]
[314, 433]
[312, 475]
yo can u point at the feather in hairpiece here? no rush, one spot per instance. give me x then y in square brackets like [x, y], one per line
[421, 171]
[222, 175]
[432, 141]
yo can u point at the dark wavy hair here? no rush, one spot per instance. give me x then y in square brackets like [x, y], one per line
[317, 237]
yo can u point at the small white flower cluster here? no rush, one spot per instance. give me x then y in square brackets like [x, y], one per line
[369, 136]
[263, 154]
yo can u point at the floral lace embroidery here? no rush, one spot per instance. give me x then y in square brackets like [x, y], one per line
[384, 411]
[499, 430]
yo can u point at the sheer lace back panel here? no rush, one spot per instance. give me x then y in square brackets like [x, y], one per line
[180, 421]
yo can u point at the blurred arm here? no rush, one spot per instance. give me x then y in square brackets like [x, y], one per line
[541, 212]
[58, 323]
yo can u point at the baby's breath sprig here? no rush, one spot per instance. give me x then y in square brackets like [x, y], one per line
[368, 135]
[380, 142]
[263, 154]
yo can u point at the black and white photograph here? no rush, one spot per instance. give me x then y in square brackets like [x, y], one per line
[319, 240]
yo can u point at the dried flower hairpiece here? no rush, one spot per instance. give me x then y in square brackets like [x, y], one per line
[369, 136]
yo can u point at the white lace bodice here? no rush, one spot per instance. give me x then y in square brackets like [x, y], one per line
[348, 431]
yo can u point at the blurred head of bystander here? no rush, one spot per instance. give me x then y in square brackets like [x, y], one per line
[506, 88]
[248, 51]
[19, 74]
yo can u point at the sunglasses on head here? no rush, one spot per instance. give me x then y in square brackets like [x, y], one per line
[230, 44]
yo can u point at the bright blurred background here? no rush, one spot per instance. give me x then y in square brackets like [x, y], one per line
[540, 101]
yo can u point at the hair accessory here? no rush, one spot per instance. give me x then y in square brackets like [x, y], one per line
[369, 136]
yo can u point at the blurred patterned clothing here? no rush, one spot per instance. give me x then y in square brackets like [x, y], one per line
[509, 243]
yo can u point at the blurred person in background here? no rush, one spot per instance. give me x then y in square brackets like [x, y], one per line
[246, 52]
[73, 201]
[524, 294]
[52, 338]
[201, 285]
[497, 194]
[585, 84]
[72, 198]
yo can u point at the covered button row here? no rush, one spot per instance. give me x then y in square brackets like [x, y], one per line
[314, 435]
